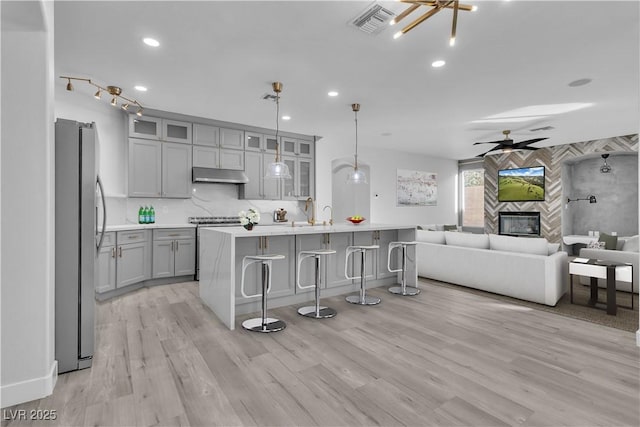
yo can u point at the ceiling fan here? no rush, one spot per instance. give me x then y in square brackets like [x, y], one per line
[507, 145]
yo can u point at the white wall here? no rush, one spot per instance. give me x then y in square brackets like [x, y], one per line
[29, 370]
[382, 181]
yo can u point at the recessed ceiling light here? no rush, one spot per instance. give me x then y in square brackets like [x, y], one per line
[151, 42]
[333, 93]
[140, 88]
[286, 117]
[580, 82]
[437, 64]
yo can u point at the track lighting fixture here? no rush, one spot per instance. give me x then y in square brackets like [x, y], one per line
[114, 91]
[436, 6]
[278, 169]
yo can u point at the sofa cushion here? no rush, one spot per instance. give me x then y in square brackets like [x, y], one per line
[611, 242]
[467, 240]
[525, 245]
[596, 245]
[450, 227]
[631, 244]
[431, 227]
[553, 248]
[430, 236]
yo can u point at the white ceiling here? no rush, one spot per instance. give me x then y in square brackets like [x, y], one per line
[217, 58]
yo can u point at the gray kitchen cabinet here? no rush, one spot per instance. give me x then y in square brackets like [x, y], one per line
[145, 127]
[270, 187]
[159, 169]
[145, 168]
[377, 259]
[282, 274]
[296, 147]
[206, 135]
[176, 170]
[302, 182]
[232, 138]
[260, 142]
[133, 262]
[175, 131]
[206, 156]
[174, 252]
[105, 279]
[332, 269]
[231, 159]
[258, 187]
[383, 238]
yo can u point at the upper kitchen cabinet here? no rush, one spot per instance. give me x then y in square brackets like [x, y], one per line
[206, 135]
[302, 182]
[174, 131]
[232, 138]
[159, 129]
[159, 169]
[260, 142]
[296, 147]
[145, 127]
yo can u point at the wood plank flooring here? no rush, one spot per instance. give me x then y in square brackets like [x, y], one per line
[444, 357]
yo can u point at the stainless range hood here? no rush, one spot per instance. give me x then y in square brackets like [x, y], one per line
[219, 176]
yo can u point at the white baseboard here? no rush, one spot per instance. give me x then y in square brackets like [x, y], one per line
[25, 391]
[638, 337]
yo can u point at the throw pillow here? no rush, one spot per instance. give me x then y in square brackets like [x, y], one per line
[525, 245]
[467, 240]
[450, 227]
[610, 242]
[430, 237]
[631, 244]
[596, 245]
[553, 248]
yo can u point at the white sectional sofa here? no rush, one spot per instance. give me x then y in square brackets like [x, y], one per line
[530, 269]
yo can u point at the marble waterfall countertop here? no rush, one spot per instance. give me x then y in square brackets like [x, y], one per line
[304, 228]
[126, 227]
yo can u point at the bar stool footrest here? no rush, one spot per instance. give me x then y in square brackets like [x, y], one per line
[408, 291]
[367, 300]
[271, 325]
[323, 312]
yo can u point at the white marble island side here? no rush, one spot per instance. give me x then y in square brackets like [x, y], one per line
[222, 250]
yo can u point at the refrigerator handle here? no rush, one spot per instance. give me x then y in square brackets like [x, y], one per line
[104, 213]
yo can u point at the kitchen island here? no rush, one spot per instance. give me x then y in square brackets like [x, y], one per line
[223, 248]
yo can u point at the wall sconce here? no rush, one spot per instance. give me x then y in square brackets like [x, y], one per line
[591, 199]
[114, 91]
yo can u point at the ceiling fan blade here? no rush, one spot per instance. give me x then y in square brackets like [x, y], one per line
[529, 141]
[490, 142]
[527, 148]
[496, 148]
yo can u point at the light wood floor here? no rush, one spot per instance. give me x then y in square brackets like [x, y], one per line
[443, 358]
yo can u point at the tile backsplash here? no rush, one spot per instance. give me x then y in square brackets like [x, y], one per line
[206, 200]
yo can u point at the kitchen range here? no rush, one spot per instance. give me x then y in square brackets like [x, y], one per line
[210, 221]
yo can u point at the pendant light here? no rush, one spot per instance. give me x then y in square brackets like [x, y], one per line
[605, 168]
[277, 169]
[356, 176]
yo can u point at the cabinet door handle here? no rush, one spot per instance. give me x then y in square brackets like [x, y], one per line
[174, 234]
[172, 246]
[132, 237]
[177, 245]
[120, 251]
[329, 238]
[266, 242]
[113, 252]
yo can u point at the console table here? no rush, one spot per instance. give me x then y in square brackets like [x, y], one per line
[600, 269]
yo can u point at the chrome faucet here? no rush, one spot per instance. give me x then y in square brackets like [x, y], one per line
[311, 221]
[331, 212]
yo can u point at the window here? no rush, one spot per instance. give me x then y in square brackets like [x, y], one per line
[472, 195]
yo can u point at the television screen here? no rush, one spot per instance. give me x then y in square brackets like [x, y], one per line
[521, 185]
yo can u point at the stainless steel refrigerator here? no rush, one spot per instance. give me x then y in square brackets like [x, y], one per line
[77, 241]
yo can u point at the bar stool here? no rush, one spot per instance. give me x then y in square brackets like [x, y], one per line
[401, 288]
[264, 323]
[361, 298]
[314, 311]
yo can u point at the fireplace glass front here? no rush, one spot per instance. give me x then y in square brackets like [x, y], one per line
[519, 223]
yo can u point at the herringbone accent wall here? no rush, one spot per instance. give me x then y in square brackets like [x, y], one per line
[551, 158]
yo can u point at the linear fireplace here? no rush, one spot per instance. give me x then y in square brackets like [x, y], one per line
[519, 223]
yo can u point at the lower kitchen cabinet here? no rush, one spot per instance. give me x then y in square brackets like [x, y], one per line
[174, 252]
[105, 278]
[282, 274]
[376, 259]
[332, 266]
[133, 252]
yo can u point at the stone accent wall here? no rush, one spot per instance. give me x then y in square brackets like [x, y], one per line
[551, 158]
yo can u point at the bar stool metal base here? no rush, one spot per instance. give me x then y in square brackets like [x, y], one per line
[408, 290]
[367, 300]
[323, 312]
[270, 325]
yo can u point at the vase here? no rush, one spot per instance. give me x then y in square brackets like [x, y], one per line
[249, 226]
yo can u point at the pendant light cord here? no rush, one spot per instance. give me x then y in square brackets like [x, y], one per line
[277, 127]
[356, 156]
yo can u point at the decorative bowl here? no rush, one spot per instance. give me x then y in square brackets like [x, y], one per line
[354, 220]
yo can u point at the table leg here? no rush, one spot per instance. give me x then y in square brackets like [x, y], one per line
[571, 276]
[612, 307]
[593, 299]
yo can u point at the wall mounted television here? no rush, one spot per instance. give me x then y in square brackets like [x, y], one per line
[521, 184]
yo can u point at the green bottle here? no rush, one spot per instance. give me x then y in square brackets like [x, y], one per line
[140, 215]
[152, 215]
[145, 215]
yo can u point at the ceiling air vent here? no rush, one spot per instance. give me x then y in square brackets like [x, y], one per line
[268, 97]
[373, 20]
